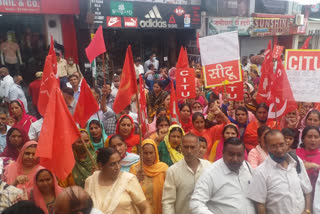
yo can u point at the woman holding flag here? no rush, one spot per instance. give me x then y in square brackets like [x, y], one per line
[155, 99]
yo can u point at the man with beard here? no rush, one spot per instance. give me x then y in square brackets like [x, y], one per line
[250, 136]
[182, 176]
[222, 187]
[280, 185]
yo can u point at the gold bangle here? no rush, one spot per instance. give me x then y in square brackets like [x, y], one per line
[307, 211]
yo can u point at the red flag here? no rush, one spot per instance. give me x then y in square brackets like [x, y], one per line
[57, 135]
[234, 90]
[174, 109]
[277, 51]
[266, 76]
[306, 43]
[185, 77]
[183, 61]
[54, 57]
[86, 106]
[96, 46]
[281, 93]
[128, 84]
[47, 82]
[143, 107]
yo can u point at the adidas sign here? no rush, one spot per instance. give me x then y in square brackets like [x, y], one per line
[152, 19]
[153, 13]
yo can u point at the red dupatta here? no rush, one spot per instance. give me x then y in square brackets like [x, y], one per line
[26, 119]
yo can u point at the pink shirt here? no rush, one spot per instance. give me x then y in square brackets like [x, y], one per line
[257, 156]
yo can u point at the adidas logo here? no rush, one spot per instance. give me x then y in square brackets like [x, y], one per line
[153, 13]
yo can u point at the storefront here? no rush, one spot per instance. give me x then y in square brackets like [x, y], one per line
[281, 27]
[25, 29]
[159, 28]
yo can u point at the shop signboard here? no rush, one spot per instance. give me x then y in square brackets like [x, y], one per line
[144, 15]
[218, 25]
[275, 25]
[303, 71]
[20, 6]
[121, 8]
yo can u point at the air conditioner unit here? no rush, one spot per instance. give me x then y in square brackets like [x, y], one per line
[299, 20]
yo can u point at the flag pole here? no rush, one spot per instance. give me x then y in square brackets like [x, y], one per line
[104, 69]
[275, 109]
[140, 131]
[88, 153]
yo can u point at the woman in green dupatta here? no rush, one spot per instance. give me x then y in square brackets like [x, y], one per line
[83, 167]
[170, 148]
[97, 133]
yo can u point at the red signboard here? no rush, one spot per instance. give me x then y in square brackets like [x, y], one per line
[303, 60]
[185, 83]
[131, 22]
[20, 6]
[222, 73]
[235, 90]
[113, 21]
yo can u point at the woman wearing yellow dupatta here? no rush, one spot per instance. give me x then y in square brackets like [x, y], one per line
[152, 176]
[170, 148]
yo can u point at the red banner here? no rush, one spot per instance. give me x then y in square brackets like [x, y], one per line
[303, 60]
[222, 73]
[20, 6]
[235, 90]
[185, 83]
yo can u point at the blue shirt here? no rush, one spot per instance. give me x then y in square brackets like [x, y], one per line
[3, 140]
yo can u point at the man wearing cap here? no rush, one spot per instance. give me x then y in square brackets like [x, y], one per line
[34, 90]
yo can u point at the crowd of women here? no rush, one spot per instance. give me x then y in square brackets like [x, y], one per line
[124, 175]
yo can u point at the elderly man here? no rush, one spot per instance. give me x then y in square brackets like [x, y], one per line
[182, 176]
[3, 129]
[74, 200]
[280, 185]
[222, 187]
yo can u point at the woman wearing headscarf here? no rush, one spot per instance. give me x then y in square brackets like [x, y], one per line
[127, 159]
[155, 99]
[21, 172]
[170, 148]
[185, 117]
[229, 130]
[16, 138]
[97, 133]
[152, 175]
[45, 190]
[83, 166]
[18, 112]
[125, 128]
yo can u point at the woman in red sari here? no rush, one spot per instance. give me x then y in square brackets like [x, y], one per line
[18, 112]
[185, 117]
[125, 128]
[21, 172]
[212, 134]
[16, 138]
[310, 152]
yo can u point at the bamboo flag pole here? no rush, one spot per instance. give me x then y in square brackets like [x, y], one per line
[140, 131]
[89, 154]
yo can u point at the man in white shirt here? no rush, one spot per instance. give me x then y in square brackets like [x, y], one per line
[152, 60]
[182, 176]
[16, 92]
[5, 83]
[75, 84]
[222, 187]
[280, 185]
[138, 67]
[35, 129]
[3, 129]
